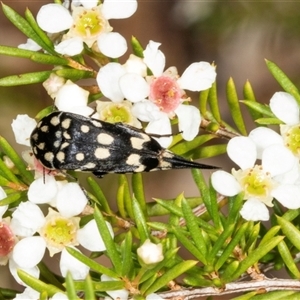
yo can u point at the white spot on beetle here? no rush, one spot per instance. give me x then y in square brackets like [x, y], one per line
[133, 160]
[102, 153]
[66, 136]
[45, 128]
[137, 143]
[58, 134]
[84, 128]
[96, 123]
[89, 165]
[80, 156]
[35, 136]
[140, 168]
[60, 156]
[49, 156]
[41, 146]
[104, 139]
[64, 145]
[55, 121]
[66, 123]
[56, 144]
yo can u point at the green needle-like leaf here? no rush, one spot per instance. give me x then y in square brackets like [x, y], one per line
[193, 228]
[74, 74]
[230, 247]
[254, 257]
[207, 151]
[24, 26]
[185, 241]
[140, 220]
[111, 249]
[234, 106]
[70, 287]
[138, 191]
[203, 98]
[126, 250]
[249, 95]
[15, 158]
[286, 255]
[48, 45]
[97, 191]
[259, 108]
[37, 284]
[283, 80]
[214, 103]
[290, 230]
[137, 47]
[89, 292]
[91, 263]
[184, 147]
[27, 78]
[171, 274]
[34, 56]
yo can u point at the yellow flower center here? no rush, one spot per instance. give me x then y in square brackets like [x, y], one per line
[255, 183]
[59, 231]
[89, 23]
[292, 139]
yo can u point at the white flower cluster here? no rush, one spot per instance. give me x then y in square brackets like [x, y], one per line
[277, 175]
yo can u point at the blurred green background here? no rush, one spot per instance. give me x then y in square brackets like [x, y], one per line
[236, 35]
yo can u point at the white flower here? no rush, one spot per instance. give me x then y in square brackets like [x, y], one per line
[158, 98]
[116, 294]
[22, 127]
[30, 45]
[87, 24]
[69, 263]
[150, 253]
[72, 98]
[260, 183]
[28, 294]
[286, 108]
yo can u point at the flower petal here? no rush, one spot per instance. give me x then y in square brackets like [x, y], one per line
[225, 184]
[198, 77]
[150, 253]
[116, 294]
[288, 195]
[71, 193]
[70, 96]
[189, 121]
[135, 64]
[29, 251]
[285, 107]
[161, 126]
[13, 268]
[30, 45]
[264, 137]
[154, 58]
[43, 189]
[54, 18]
[112, 44]
[124, 9]
[242, 151]
[69, 263]
[88, 3]
[27, 219]
[134, 87]
[28, 294]
[108, 81]
[277, 160]
[22, 127]
[70, 47]
[254, 210]
[90, 238]
[146, 111]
